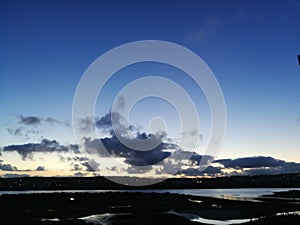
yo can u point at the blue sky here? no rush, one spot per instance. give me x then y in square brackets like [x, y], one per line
[251, 46]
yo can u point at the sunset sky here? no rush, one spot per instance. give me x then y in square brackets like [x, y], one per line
[46, 46]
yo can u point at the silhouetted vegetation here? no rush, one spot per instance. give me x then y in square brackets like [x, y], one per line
[93, 183]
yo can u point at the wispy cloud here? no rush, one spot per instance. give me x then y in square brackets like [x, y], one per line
[36, 120]
[205, 32]
[14, 175]
[29, 125]
[30, 120]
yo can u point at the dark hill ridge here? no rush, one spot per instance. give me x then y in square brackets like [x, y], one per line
[94, 183]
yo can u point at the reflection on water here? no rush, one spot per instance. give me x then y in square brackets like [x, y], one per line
[233, 194]
[105, 219]
[196, 201]
[235, 221]
[285, 213]
[51, 220]
[220, 222]
[100, 219]
[196, 218]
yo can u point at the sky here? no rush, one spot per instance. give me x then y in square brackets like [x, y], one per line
[47, 46]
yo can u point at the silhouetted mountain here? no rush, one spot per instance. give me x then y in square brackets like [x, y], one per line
[94, 183]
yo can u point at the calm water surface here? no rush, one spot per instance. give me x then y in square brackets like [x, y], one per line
[220, 193]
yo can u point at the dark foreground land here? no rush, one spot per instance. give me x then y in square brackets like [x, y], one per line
[124, 208]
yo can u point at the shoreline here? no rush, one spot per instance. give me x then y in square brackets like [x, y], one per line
[134, 207]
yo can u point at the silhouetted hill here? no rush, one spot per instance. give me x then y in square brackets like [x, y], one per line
[93, 183]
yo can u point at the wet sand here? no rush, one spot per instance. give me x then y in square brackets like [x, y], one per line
[124, 208]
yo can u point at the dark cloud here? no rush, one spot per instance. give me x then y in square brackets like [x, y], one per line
[8, 167]
[260, 165]
[76, 167]
[52, 120]
[72, 159]
[113, 123]
[133, 157]
[36, 120]
[79, 174]
[83, 163]
[14, 175]
[91, 166]
[27, 150]
[197, 159]
[29, 125]
[139, 170]
[77, 158]
[209, 171]
[40, 168]
[105, 122]
[287, 167]
[73, 148]
[130, 134]
[251, 162]
[30, 120]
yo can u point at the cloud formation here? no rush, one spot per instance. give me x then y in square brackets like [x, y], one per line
[113, 122]
[22, 131]
[91, 165]
[186, 162]
[251, 162]
[259, 165]
[114, 125]
[40, 168]
[209, 171]
[35, 120]
[15, 175]
[27, 150]
[28, 125]
[79, 174]
[30, 120]
[8, 167]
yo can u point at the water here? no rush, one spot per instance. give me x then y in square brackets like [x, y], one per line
[234, 193]
[100, 219]
[104, 219]
[196, 218]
